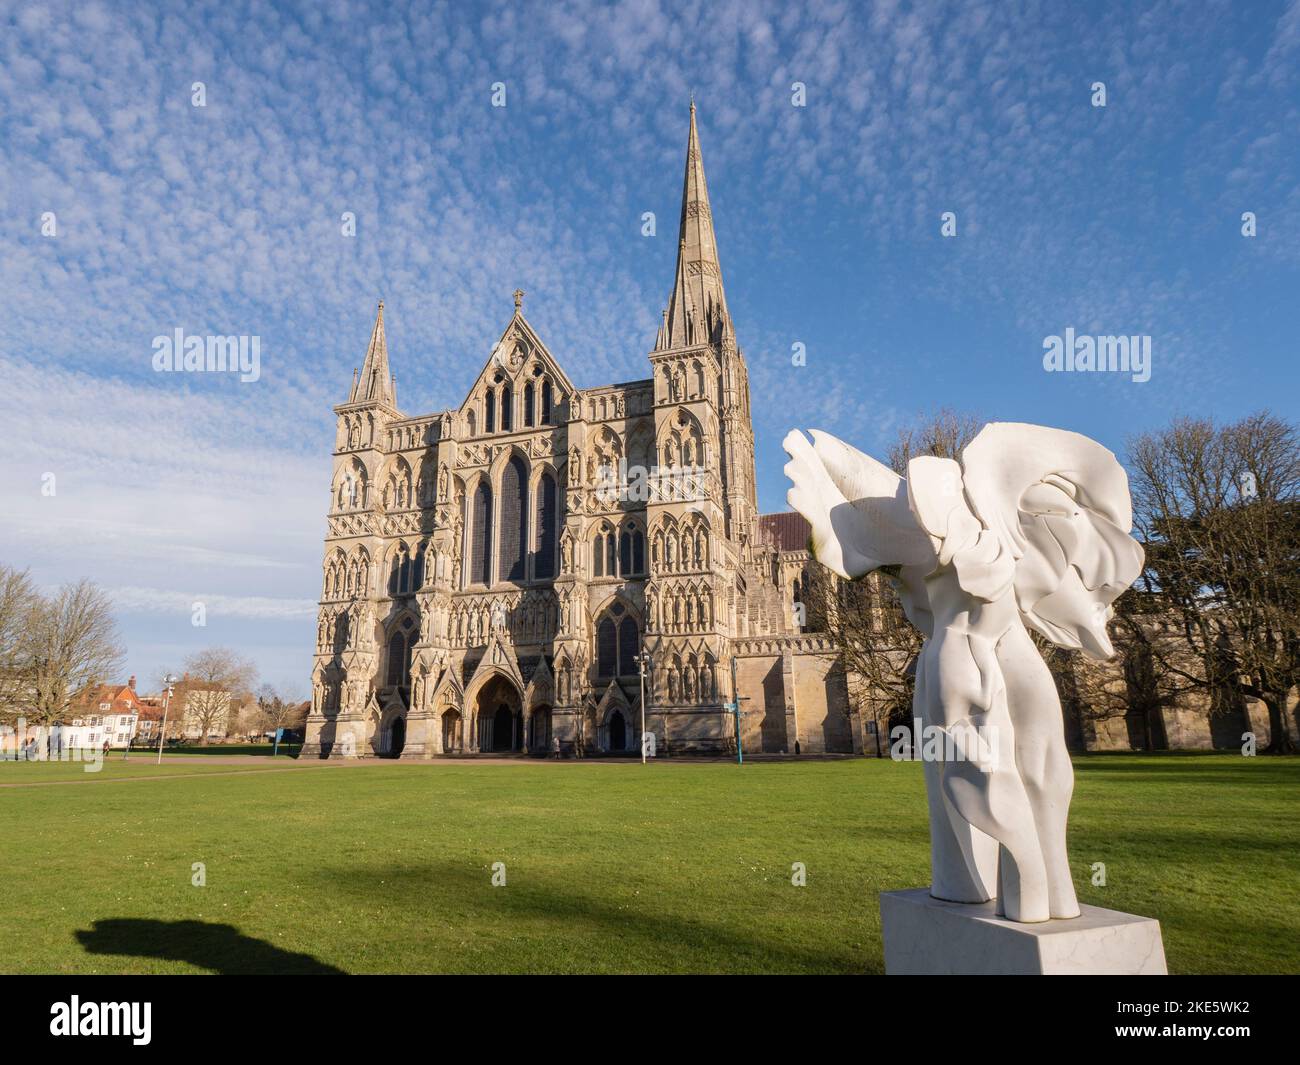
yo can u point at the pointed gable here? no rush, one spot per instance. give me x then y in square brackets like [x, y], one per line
[518, 348]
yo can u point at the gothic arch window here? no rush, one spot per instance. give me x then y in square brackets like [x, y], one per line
[400, 642]
[473, 424]
[507, 408]
[417, 568]
[547, 508]
[625, 552]
[611, 555]
[618, 641]
[629, 644]
[513, 509]
[606, 648]
[546, 402]
[490, 412]
[529, 396]
[598, 555]
[479, 532]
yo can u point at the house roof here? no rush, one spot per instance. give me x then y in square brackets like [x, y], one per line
[787, 531]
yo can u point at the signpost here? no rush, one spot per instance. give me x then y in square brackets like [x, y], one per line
[734, 708]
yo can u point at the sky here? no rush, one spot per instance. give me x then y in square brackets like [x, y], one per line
[188, 166]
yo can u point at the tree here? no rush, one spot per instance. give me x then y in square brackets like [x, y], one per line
[876, 645]
[71, 642]
[1219, 510]
[274, 711]
[18, 600]
[214, 680]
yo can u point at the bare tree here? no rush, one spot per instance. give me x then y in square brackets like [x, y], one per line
[275, 711]
[1219, 510]
[71, 642]
[215, 679]
[19, 600]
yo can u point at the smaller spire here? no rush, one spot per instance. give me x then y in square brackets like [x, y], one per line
[375, 384]
[519, 301]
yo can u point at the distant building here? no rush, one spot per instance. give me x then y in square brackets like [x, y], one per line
[103, 714]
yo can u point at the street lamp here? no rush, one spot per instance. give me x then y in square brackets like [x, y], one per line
[168, 681]
[643, 661]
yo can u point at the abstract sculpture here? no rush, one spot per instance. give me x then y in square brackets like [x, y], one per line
[1029, 531]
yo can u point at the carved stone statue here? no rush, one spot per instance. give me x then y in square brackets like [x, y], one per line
[1030, 530]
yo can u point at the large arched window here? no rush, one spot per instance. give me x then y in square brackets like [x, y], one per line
[629, 644]
[544, 558]
[618, 641]
[514, 521]
[507, 409]
[480, 534]
[399, 653]
[546, 402]
[606, 648]
[490, 412]
[528, 404]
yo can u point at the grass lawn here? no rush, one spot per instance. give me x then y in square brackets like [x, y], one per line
[677, 867]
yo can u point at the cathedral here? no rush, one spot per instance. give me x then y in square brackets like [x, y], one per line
[559, 570]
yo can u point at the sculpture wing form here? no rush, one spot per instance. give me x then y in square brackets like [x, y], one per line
[857, 507]
[1060, 502]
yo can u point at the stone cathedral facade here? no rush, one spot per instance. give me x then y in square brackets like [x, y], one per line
[497, 577]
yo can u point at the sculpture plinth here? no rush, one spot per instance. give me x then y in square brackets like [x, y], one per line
[925, 936]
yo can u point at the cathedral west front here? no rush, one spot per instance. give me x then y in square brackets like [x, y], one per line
[510, 575]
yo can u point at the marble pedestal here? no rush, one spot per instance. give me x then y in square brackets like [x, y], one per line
[925, 936]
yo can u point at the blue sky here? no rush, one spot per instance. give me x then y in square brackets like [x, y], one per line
[172, 489]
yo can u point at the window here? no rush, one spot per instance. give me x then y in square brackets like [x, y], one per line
[544, 559]
[514, 521]
[629, 643]
[618, 641]
[399, 653]
[625, 553]
[480, 533]
[528, 403]
[507, 408]
[546, 403]
[490, 412]
[606, 649]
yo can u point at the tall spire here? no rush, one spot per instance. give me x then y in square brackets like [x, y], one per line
[697, 309]
[375, 384]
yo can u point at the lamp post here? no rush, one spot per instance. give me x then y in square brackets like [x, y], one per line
[643, 661]
[168, 682]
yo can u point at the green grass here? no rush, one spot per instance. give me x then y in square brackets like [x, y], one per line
[677, 867]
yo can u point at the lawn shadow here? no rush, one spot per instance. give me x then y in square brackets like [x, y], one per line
[645, 935]
[222, 948]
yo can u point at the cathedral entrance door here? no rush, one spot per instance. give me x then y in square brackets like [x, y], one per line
[617, 732]
[398, 737]
[503, 727]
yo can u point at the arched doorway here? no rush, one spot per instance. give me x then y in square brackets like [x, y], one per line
[500, 718]
[539, 724]
[503, 729]
[397, 737]
[617, 732]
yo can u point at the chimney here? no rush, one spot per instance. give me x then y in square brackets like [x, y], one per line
[131, 683]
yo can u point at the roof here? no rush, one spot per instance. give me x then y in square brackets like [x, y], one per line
[788, 531]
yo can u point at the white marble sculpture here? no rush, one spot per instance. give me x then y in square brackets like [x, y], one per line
[1029, 530]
